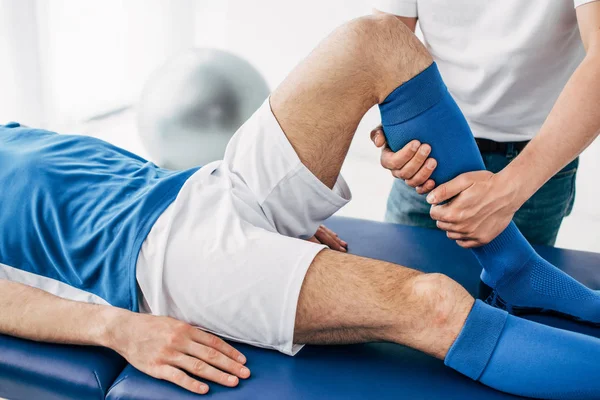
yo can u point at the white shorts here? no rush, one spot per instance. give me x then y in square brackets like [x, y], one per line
[225, 255]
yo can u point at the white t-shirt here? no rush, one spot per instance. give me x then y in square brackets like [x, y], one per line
[504, 61]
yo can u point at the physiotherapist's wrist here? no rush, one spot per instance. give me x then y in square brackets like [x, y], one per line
[514, 188]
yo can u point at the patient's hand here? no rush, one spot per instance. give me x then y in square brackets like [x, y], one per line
[166, 349]
[409, 164]
[329, 238]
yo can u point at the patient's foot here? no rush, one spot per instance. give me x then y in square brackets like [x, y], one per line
[520, 281]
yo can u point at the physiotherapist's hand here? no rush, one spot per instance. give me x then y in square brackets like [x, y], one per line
[411, 163]
[329, 238]
[482, 205]
[168, 349]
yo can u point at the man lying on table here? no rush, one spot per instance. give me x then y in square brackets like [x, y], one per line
[220, 247]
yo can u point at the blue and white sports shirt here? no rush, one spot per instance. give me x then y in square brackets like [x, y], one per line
[74, 212]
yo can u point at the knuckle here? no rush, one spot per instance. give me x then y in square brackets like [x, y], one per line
[412, 183]
[196, 386]
[211, 354]
[177, 376]
[403, 174]
[443, 191]
[199, 366]
[172, 339]
[214, 341]
[164, 354]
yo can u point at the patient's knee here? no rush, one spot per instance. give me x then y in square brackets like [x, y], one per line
[386, 48]
[442, 299]
[386, 37]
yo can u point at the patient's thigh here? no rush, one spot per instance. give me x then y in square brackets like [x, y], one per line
[224, 268]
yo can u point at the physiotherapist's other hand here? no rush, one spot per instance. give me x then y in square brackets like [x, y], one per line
[411, 163]
[482, 205]
[329, 238]
[168, 349]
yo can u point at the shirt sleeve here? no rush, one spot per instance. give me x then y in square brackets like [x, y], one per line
[402, 8]
[577, 2]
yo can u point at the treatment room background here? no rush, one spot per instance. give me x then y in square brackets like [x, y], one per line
[79, 66]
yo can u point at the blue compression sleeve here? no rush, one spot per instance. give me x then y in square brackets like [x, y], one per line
[525, 358]
[517, 278]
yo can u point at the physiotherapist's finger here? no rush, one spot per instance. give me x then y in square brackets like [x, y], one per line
[218, 360]
[180, 378]
[456, 236]
[415, 164]
[211, 340]
[204, 370]
[446, 226]
[422, 174]
[440, 213]
[378, 137]
[375, 130]
[426, 187]
[449, 189]
[468, 244]
[397, 160]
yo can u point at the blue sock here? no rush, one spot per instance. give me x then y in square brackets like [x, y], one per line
[518, 279]
[525, 358]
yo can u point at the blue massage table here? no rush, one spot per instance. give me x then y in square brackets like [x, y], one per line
[31, 370]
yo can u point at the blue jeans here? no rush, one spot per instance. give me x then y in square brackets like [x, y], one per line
[538, 219]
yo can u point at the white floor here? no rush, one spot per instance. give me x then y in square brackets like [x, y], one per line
[371, 184]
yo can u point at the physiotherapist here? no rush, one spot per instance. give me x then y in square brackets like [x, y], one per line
[526, 74]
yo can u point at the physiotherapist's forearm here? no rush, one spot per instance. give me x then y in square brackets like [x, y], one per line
[31, 313]
[571, 126]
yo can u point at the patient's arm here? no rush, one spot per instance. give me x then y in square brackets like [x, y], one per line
[159, 346]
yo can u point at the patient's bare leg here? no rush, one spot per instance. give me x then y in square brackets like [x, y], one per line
[321, 102]
[346, 298]
[350, 299]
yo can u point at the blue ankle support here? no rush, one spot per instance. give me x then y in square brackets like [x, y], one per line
[423, 109]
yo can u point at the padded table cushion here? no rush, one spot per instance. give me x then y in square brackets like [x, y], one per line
[382, 370]
[31, 370]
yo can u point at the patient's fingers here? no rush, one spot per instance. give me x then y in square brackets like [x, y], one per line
[314, 240]
[343, 243]
[180, 378]
[218, 360]
[216, 343]
[329, 238]
[202, 369]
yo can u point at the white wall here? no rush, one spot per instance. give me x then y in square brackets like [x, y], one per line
[99, 54]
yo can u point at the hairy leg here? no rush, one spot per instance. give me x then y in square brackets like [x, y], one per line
[321, 102]
[351, 299]
[348, 299]
[377, 60]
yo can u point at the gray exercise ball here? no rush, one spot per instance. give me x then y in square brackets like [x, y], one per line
[191, 106]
